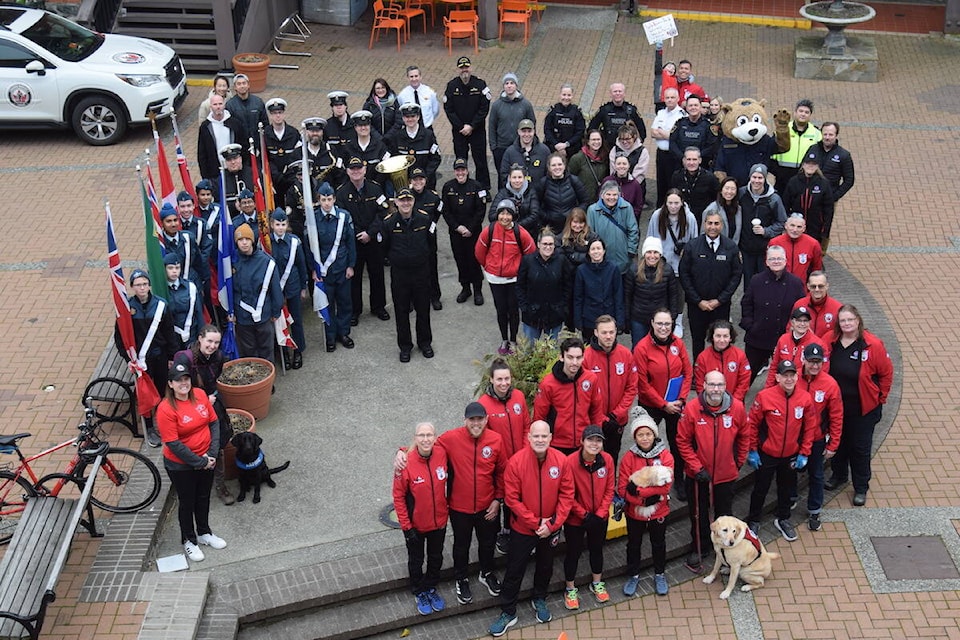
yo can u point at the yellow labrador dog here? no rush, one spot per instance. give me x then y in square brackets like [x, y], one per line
[738, 548]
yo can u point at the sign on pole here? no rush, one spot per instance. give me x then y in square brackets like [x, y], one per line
[660, 29]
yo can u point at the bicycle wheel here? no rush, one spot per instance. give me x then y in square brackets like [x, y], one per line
[127, 481]
[112, 400]
[14, 492]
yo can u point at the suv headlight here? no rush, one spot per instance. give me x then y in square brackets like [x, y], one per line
[141, 80]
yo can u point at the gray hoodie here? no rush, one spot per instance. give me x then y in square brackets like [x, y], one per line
[505, 116]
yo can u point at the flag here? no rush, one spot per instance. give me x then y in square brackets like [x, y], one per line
[168, 192]
[225, 256]
[182, 161]
[158, 273]
[155, 209]
[258, 198]
[267, 176]
[320, 302]
[147, 395]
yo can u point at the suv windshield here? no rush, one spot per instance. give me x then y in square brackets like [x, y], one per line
[64, 39]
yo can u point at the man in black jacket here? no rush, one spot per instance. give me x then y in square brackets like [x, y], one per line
[709, 274]
[417, 141]
[466, 102]
[693, 131]
[464, 203]
[218, 130]
[614, 114]
[698, 186]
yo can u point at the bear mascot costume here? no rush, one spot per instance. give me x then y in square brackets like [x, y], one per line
[746, 139]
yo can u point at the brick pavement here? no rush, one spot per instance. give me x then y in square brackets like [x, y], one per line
[902, 131]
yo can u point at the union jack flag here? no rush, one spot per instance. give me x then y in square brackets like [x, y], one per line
[182, 161]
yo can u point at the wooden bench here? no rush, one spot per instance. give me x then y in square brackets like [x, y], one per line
[36, 556]
[112, 389]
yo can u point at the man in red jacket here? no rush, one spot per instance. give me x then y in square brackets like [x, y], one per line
[477, 462]
[539, 491]
[791, 344]
[823, 308]
[781, 427]
[616, 372]
[804, 254]
[829, 406]
[712, 438]
[420, 501]
[569, 397]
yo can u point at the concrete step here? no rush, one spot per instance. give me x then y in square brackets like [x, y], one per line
[171, 36]
[165, 5]
[134, 18]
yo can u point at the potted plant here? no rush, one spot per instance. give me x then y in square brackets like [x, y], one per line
[254, 66]
[240, 421]
[529, 364]
[247, 383]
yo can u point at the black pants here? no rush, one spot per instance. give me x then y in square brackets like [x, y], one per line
[468, 270]
[699, 497]
[433, 540]
[786, 486]
[658, 544]
[475, 143]
[519, 554]
[667, 163]
[409, 289]
[670, 422]
[508, 310]
[612, 441]
[758, 359]
[434, 268]
[699, 321]
[594, 535]
[464, 524]
[497, 161]
[369, 255]
[256, 340]
[856, 441]
[193, 495]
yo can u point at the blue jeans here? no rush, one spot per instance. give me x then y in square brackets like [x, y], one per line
[638, 330]
[533, 334]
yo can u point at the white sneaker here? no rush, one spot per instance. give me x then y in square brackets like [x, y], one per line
[193, 551]
[211, 540]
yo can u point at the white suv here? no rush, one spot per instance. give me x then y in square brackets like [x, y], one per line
[53, 72]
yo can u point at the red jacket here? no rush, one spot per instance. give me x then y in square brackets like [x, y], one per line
[826, 397]
[510, 418]
[688, 87]
[617, 376]
[568, 405]
[789, 348]
[592, 486]
[656, 365]
[500, 256]
[803, 255]
[731, 362]
[476, 468]
[782, 426]
[715, 441]
[630, 463]
[420, 492]
[536, 490]
[876, 373]
[823, 316]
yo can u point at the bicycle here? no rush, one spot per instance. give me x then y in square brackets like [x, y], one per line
[128, 481]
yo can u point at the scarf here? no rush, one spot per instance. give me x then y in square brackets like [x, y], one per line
[591, 156]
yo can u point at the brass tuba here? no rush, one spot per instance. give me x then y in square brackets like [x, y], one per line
[396, 167]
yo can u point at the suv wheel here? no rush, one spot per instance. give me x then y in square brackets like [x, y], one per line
[99, 121]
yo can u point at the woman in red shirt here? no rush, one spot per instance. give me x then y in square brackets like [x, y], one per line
[190, 433]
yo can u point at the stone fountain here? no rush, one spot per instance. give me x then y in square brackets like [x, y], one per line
[837, 56]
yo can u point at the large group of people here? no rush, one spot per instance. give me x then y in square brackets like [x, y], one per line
[566, 244]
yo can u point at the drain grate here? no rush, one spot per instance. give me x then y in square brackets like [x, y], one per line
[914, 558]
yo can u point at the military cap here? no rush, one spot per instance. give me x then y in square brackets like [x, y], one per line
[279, 215]
[355, 163]
[409, 109]
[460, 163]
[362, 117]
[314, 124]
[276, 104]
[404, 193]
[171, 258]
[232, 150]
[325, 189]
[167, 210]
[245, 193]
[338, 97]
[417, 172]
[183, 196]
[463, 61]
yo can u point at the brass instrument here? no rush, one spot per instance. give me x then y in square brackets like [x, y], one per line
[396, 167]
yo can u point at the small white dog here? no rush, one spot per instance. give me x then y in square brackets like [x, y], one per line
[653, 476]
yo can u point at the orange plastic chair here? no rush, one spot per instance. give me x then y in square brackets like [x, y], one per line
[409, 10]
[461, 29]
[385, 18]
[516, 12]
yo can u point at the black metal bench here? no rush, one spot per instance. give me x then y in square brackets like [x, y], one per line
[112, 389]
[36, 556]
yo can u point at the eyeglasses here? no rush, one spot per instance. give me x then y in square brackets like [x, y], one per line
[817, 286]
[716, 385]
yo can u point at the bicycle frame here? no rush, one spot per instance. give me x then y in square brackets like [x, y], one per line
[24, 466]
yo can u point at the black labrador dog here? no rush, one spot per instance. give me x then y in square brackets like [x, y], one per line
[252, 466]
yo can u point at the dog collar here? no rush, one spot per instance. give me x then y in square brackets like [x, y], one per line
[246, 466]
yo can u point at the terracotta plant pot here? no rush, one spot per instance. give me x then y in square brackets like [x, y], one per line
[230, 451]
[254, 66]
[253, 397]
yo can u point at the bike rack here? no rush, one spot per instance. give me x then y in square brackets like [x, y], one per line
[292, 29]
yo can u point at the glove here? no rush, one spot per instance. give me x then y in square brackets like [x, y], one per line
[702, 476]
[659, 45]
[652, 500]
[411, 535]
[618, 505]
[801, 462]
[753, 459]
